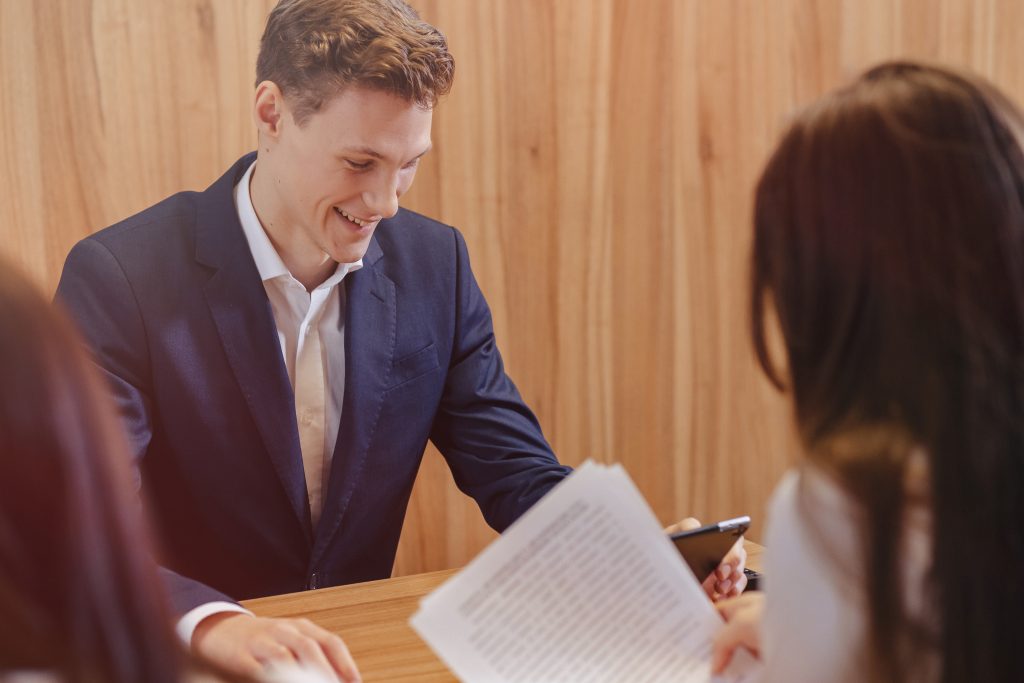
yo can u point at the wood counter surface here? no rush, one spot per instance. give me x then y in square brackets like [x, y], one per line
[373, 618]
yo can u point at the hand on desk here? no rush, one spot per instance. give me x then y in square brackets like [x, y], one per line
[250, 645]
[728, 581]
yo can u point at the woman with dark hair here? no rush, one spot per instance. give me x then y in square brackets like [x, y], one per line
[889, 253]
[79, 596]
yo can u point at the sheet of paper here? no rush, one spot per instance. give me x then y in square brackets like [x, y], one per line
[584, 587]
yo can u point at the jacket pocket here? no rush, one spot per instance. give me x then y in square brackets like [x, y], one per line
[412, 366]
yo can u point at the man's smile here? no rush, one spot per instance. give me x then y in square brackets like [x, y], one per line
[361, 222]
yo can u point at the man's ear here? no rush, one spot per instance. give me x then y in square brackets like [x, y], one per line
[268, 110]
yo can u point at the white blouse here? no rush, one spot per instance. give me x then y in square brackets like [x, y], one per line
[814, 626]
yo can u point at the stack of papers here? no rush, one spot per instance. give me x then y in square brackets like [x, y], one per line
[584, 587]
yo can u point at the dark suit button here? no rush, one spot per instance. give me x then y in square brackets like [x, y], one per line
[314, 581]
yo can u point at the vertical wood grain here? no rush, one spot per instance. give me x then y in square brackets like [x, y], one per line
[599, 156]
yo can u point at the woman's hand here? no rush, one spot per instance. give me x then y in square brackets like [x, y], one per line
[742, 629]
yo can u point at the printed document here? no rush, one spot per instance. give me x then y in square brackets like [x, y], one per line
[585, 587]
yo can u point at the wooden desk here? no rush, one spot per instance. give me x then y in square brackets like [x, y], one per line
[373, 619]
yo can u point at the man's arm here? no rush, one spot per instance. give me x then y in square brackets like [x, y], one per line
[193, 602]
[490, 438]
[95, 292]
[98, 295]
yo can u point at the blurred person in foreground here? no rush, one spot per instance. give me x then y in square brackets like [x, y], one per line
[80, 597]
[889, 253]
[79, 593]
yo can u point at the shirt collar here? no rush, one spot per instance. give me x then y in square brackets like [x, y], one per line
[268, 261]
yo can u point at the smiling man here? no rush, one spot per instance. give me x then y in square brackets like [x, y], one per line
[283, 344]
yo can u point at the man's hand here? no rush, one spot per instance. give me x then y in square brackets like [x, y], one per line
[728, 581]
[742, 629]
[250, 645]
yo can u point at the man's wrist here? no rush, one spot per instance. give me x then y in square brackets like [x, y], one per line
[189, 624]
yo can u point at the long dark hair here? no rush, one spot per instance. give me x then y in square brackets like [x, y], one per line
[889, 245]
[79, 595]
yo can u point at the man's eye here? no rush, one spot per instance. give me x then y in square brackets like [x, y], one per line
[358, 165]
[412, 164]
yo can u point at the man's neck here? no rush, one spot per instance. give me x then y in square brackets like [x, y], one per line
[304, 260]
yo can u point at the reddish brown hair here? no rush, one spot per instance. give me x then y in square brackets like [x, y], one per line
[79, 594]
[312, 49]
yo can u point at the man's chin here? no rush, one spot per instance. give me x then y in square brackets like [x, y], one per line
[351, 253]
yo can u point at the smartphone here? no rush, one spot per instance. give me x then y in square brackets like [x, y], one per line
[706, 547]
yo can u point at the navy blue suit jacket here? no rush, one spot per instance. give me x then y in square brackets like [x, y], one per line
[177, 317]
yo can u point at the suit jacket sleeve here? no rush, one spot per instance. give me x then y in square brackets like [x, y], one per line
[492, 441]
[97, 294]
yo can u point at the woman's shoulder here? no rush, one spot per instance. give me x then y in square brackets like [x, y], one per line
[814, 620]
[809, 489]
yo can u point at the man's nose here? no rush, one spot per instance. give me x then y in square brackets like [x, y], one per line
[382, 197]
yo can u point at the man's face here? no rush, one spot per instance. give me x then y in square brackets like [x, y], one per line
[335, 177]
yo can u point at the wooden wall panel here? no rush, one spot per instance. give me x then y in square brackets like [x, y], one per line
[599, 156]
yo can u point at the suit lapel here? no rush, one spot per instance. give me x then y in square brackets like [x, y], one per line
[243, 317]
[370, 326]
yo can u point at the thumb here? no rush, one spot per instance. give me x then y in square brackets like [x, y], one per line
[683, 525]
[689, 523]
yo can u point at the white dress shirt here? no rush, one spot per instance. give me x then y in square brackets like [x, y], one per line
[311, 331]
